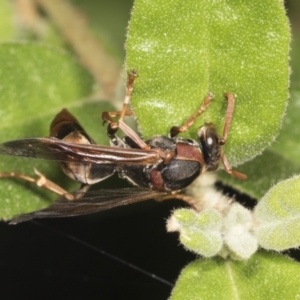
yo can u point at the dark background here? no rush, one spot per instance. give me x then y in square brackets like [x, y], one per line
[70, 258]
[116, 254]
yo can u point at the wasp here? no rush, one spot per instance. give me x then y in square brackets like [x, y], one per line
[160, 166]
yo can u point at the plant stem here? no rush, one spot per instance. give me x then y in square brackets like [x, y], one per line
[74, 27]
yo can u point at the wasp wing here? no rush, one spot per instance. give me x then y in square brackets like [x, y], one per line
[58, 150]
[91, 202]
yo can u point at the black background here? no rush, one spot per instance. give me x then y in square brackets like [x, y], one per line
[64, 257]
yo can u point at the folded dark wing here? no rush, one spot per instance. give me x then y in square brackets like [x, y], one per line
[91, 202]
[58, 150]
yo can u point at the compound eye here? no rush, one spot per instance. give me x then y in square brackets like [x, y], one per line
[211, 140]
[208, 136]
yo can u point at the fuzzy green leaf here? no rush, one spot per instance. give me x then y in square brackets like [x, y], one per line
[237, 224]
[36, 83]
[278, 216]
[263, 172]
[264, 276]
[7, 30]
[281, 160]
[210, 232]
[199, 232]
[278, 162]
[185, 49]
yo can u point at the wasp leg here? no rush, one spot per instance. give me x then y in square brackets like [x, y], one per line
[187, 199]
[41, 181]
[229, 170]
[229, 113]
[107, 117]
[129, 88]
[228, 118]
[178, 129]
[114, 126]
[133, 135]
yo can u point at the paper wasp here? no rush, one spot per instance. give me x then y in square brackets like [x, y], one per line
[163, 165]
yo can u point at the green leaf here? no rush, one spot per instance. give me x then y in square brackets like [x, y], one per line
[278, 216]
[295, 59]
[237, 227]
[185, 49]
[278, 162]
[7, 30]
[281, 160]
[264, 276]
[199, 232]
[211, 232]
[36, 83]
[263, 172]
